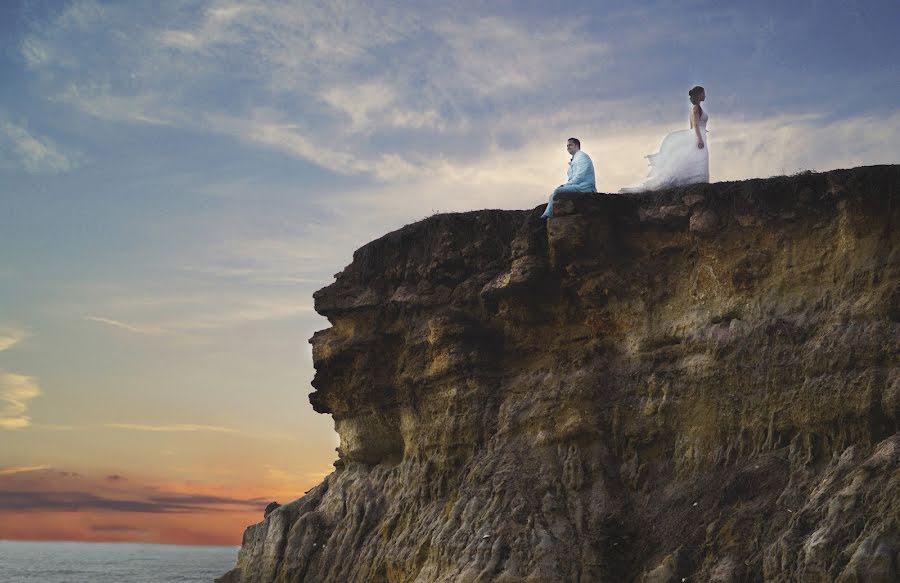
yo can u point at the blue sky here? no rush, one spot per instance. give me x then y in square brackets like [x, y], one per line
[177, 178]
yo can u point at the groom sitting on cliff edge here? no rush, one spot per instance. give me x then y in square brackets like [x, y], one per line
[580, 174]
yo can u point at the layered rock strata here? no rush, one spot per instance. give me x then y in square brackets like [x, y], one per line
[697, 384]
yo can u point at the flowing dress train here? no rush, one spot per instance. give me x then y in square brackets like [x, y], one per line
[679, 160]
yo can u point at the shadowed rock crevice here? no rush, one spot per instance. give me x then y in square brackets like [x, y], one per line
[696, 383]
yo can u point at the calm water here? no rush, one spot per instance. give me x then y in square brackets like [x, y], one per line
[111, 562]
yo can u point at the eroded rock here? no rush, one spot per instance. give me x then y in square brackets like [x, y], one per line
[611, 397]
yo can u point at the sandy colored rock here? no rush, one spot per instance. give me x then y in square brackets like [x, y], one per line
[693, 199]
[610, 397]
[704, 223]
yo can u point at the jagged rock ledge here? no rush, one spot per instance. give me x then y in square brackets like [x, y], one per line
[695, 384]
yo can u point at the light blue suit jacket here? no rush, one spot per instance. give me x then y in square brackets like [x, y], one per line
[581, 173]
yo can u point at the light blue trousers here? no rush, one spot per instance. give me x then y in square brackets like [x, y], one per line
[564, 188]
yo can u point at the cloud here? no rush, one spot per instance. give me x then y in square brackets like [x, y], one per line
[43, 48]
[360, 101]
[161, 428]
[211, 293]
[332, 105]
[117, 528]
[376, 90]
[268, 128]
[100, 101]
[34, 52]
[748, 148]
[21, 470]
[377, 105]
[249, 275]
[266, 260]
[263, 127]
[31, 490]
[175, 428]
[523, 177]
[288, 48]
[216, 27]
[272, 130]
[55, 427]
[15, 392]
[217, 315]
[34, 154]
[494, 55]
[123, 325]
[81, 15]
[740, 148]
[9, 337]
[44, 501]
[412, 111]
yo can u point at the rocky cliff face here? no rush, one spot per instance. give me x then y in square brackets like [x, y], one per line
[698, 384]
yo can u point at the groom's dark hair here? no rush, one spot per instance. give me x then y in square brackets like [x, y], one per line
[576, 141]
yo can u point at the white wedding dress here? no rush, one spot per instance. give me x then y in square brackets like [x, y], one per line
[679, 160]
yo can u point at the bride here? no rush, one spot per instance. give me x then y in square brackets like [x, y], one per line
[683, 157]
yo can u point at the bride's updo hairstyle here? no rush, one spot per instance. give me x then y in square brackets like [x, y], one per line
[695, 93]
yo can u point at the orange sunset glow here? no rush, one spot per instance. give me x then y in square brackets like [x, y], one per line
[178, 179]
[43, 504]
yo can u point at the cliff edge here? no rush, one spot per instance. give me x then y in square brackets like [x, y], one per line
[696, 384]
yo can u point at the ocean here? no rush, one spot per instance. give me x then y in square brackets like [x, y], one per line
[69, 562]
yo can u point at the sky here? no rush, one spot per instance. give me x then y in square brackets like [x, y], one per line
[178, 177]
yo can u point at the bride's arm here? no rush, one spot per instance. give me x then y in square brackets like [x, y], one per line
[695, 125]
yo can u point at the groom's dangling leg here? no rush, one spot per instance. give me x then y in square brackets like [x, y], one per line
[549, 211]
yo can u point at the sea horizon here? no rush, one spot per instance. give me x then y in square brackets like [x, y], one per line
[112, 542]
[26, 561]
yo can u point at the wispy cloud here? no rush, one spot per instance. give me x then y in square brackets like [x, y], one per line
[175, 428]
[249, 274]
[217, 26]
[32, 153]
[82, 14]
[444, 78]
[493, 55]
[360, 101]
[271, 130]
[22, 470]
[55, 427]
[44, 501]
[287, 36]
[123, 325]
[102, 102]
[332, 105]
[117, 528]
[263, 127]
[42, 489]
[746, 148]
[15, 392]
[289, 259]
[402, 111]
[220, 315]
[41, 49]
[34, 52]
[9, 337]
[379, 105]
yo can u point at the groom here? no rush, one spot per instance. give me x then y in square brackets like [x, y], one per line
[580, 174]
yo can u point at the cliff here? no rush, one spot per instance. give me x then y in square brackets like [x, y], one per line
[697, 384]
